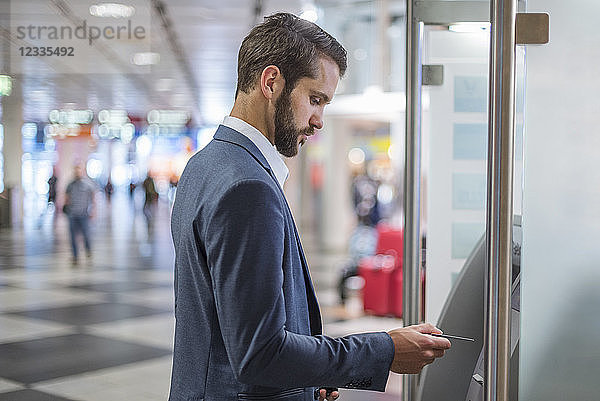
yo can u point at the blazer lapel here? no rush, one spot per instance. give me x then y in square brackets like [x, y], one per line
[316, 326]
[314, 313]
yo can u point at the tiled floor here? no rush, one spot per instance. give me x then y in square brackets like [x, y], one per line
[103, 329]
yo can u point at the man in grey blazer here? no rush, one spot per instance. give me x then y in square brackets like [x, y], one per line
[248, 326]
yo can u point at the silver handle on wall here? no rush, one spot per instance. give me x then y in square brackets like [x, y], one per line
[499, 198]
[412, 186]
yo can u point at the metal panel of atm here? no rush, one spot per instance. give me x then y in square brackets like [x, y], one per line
[459, 374]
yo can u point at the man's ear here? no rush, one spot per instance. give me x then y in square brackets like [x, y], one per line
[271, 82]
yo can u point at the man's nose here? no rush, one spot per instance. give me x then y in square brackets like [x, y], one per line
[316, 121]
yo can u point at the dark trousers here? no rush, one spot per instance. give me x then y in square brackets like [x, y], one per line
[79, 224]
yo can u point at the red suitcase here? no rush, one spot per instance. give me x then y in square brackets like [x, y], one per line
[396, 292]
[390, 241]
[377, 271]
[389, 238]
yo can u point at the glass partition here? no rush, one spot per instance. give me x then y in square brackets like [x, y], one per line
[560, 307]
[455, 154]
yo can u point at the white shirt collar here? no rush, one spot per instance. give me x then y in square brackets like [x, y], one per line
[264, 146]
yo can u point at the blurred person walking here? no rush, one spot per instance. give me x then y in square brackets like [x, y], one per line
[173, 181]
[52, 181]
[150, 200]
[108, 190]
[80, 207]
[248, 324]
[132, 187]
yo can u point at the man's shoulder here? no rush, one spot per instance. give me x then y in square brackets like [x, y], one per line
[225, 160]
[218, 148]
[225, 170]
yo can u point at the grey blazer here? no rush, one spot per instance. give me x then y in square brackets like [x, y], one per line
[248, 326]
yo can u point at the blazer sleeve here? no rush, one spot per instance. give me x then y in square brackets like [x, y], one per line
[245, 243]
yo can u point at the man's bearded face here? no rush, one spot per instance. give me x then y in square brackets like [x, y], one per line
[286, 131]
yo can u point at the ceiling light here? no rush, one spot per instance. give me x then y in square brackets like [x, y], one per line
[469, 27]
[115, 117]
[356, 156]
[70, 116]
[147, 58]
[29, 130]
[143, 146]
[168, 117]
[111, 10]
[94, 168]
[392, 152]
[127, 133]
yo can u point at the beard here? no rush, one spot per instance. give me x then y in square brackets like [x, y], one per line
[286, 132]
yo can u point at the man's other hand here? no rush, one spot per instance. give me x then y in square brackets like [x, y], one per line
[414, 348]
[323, 396]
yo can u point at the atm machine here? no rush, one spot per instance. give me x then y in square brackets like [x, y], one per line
[459, 375]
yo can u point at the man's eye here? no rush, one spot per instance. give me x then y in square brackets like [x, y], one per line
[315, 101]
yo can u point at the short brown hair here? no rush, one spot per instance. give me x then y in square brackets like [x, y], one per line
[292, 44]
